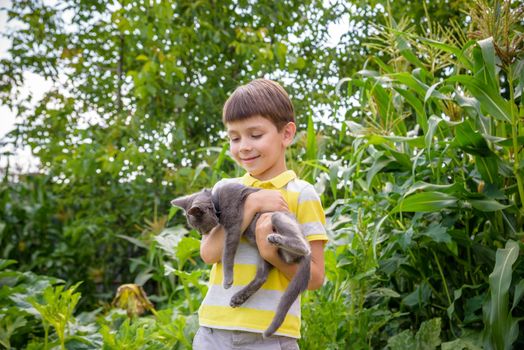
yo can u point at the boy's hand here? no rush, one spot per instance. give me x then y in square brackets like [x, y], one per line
[266, 200]
[264, 227]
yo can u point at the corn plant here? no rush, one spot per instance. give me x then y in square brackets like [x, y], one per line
[434, 144]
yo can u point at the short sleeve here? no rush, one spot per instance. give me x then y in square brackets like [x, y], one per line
[310, 215]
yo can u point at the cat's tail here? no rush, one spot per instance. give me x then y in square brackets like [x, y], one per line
[296, 286]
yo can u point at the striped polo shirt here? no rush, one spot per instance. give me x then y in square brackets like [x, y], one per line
[257, 312]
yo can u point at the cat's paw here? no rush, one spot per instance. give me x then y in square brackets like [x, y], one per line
[274, 239]
[237, 300]
[227, 284]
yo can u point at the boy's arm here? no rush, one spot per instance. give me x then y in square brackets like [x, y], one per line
[212, 244]
[270, 254]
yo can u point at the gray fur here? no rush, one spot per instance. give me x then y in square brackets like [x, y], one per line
[291, 242]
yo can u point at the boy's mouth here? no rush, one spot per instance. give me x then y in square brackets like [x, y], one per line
[249, 159]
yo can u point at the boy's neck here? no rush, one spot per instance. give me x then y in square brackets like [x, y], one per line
[271, 174]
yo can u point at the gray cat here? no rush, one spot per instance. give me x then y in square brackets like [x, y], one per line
[205, 210]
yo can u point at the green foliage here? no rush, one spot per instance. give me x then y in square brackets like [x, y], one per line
[138, 120]
[422, 172]
[432, 157]
[30, 305]
[56, 309]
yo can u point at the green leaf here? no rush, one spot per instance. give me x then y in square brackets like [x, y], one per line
[489, 56]
[492, 103]
[8, 326]
[387, 292]
[488, 168]
[419, 297]
[142, 57]
[426, 202]
[280, 52]
[437, 233]
[470, 140]
[428, 336]
[384, 66]
[311, 143]
[169, 238]
[498, 332]
[4, 263]
[186, 248]
[457, 294]
[508, 142]
[410, 81]
[487, 205]
[433, 123]
[383, 100]
[432, 92]
[402, 341]
[377, 166]
[417, 105]
[375, 139]
[460, 344]
[519, 292]
[432, 128]
[135, 241]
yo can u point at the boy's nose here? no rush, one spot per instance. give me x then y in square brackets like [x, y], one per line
[245, 146]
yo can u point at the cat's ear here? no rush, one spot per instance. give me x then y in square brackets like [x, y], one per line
[195, 211]
[183, 202]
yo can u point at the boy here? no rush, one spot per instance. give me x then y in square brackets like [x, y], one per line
[259, 118]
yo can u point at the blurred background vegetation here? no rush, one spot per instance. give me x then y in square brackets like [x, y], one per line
[409, 129]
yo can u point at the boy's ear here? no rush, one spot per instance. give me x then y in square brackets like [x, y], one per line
[289, 132]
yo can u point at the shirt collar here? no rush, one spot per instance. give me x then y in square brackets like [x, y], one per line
[276, 182]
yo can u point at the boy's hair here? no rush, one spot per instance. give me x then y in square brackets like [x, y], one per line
[259, 97]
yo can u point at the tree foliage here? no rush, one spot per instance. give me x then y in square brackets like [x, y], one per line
[136, 106]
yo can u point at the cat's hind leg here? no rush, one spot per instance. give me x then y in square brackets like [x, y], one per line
[295, 245]
[287, 235]
[263, 268]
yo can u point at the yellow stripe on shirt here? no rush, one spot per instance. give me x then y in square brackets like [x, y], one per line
[310, 211]
[260, 319]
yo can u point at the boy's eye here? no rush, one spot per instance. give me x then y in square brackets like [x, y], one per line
[256, 136]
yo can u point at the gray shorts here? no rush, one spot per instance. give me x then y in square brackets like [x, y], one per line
[220, 339]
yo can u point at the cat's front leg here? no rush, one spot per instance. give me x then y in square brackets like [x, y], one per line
[232, 240]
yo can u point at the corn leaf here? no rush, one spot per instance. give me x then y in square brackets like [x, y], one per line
[494, 104]
[426, 202]
[499, 331]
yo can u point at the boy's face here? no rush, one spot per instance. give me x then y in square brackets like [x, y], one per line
[258, 146]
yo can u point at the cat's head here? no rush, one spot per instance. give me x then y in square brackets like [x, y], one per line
[199, 210]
